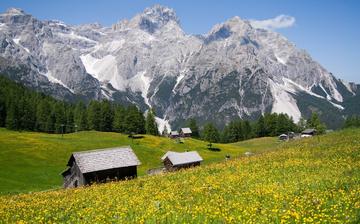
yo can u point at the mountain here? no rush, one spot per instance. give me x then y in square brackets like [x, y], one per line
[233, 71]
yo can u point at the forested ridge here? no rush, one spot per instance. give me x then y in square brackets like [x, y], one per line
[25, 109]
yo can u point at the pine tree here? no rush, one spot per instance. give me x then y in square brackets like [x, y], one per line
[301, 124]
[283, 124]
[247, 130]
[119, 119]
[134, 121]
[94, 115]
[194, 128]
[69, 120]
[271, 124]
[260, 127]
[151, 126]
[107, 116]
[60, 117]
[80, 117]
[235, 132]
[42, 113]
[211, 134]
[314, 122]
[12, 118]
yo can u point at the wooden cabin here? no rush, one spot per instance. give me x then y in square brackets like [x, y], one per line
[283, 137]
[179, 160]
[102, 165]
[174, 134]
[308, 133]
[185, 132]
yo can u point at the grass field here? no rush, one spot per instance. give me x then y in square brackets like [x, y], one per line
[33, 161]
[313, 180]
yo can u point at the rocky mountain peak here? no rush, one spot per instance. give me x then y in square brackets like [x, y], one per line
[156, 17]
[234, 71]
[15, 11]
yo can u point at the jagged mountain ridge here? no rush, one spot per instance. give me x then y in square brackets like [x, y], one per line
[233, 71]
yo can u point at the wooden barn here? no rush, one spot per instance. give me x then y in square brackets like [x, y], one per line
[178, 160]
[308, 133]
[185, 132]
[100, 166]
[174, 134]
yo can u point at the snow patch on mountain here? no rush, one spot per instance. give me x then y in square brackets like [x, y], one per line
[55, 80]
[281, 60]
[141, 83]
[283, 101]
[348, 86]
[103, 69]
[74, 36]
[337, 105]
[162, 123]
[17, 41]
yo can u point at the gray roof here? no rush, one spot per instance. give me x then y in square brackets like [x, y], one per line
[174, 133]
[180, 158]
[104, 159]
[309, 131]
[186, 130]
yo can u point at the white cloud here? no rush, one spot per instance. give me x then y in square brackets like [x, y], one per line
[281, 21]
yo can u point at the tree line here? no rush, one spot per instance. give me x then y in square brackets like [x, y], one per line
[267, 125]
[352, 122]
[24, 109]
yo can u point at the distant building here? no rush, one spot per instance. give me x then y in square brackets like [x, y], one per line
[283, 137]
[185, 132]
[174, 134]
[100, 166]
[178, 160]
[308, 133]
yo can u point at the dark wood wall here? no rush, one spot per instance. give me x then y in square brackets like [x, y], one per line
[75, 178]
[111, 174]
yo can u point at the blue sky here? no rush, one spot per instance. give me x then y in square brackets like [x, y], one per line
[329, 30]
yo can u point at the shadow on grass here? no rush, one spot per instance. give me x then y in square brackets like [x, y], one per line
[135, 136]
[214, 149]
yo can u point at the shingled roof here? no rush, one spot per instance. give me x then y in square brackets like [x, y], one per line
[104, 159]
[186, 130]
[180, 158]
[174, 133]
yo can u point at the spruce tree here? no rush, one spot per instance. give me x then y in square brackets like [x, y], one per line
[260, 127]
[134, 121]
[314, 122]
[247, 130]
[80, 117]
[60, 117]
[94, 115]
[211, 134]
[107, 116]
[119, 119]
[151, 126]
[194, 128]
[43, 111]
[12, 116]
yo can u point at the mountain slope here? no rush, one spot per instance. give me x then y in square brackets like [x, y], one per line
[233, 71]
[33, 161]
[310, 180]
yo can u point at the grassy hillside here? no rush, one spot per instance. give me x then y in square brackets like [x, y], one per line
[311, 180]
[33, 161]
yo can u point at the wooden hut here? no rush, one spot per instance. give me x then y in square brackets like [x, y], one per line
[185, 132]
[174, 134]
[308, 132]
[283, 137]
[178, 160]
[100, 166]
